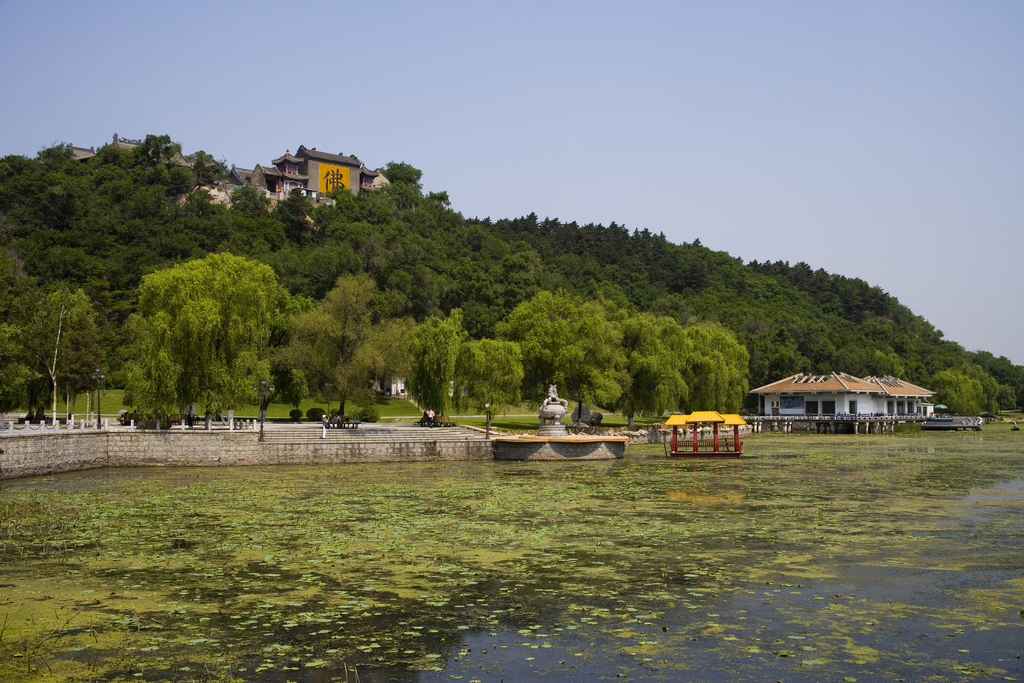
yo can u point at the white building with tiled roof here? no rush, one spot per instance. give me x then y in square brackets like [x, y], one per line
[842, 394]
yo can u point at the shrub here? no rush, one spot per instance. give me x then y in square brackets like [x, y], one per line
[315, 414]
[295, 414]
[116, 379]
[368, 414]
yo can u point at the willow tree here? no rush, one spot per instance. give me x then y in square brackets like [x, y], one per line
[574, 345]
[656, 382]
[435, 351]
[714, 367]
[489, 372]
[200, 332]
[962, 394]
[592, 364]
[342, 345]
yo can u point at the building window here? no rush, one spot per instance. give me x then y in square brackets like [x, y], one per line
[812, 408]
[853, 407]
[828, 407]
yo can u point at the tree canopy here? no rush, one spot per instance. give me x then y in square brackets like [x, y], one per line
[200, 332]
[104, 224]
[489, 372]
[343, 345]
[435, 350]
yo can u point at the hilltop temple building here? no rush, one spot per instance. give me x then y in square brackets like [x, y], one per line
[314, 173]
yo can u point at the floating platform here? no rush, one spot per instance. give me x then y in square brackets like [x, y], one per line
[719, 446]
[705, 454]
[560, 447]
[951, 424]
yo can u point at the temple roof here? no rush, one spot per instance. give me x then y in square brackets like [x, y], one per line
[125, 143]
[82, 153]
[287, 157]
[326, 156]
[269, 170]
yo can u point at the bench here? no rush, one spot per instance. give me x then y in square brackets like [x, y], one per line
[441, 421]
[47, 421]
[346, 423]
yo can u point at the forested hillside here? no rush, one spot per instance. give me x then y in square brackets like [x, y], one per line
[102, 224]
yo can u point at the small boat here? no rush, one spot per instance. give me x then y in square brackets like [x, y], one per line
[952, 423]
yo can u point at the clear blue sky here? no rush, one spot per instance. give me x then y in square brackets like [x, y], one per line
[880, 140]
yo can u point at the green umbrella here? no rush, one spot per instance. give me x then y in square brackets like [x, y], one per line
[941, 407]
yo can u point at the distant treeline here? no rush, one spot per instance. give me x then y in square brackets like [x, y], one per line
[102, 224]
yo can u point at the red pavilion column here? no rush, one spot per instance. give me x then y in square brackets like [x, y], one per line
[714, 428]
[675, 433]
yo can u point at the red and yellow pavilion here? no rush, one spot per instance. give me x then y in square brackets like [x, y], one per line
[720, 446]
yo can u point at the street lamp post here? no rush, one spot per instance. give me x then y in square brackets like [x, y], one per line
[487, 407]
[264, 390]
[98, 376]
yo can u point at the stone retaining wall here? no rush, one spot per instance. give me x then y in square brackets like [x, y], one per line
[24, 456]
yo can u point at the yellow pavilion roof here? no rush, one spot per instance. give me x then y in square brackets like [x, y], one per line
[706, 416]
[700, 416]
[733, 419]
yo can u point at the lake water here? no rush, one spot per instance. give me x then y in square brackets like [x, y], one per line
[894, 557]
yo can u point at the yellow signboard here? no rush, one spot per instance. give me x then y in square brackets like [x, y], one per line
[332, 177]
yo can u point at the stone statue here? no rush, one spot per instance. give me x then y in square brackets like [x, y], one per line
[551, 412]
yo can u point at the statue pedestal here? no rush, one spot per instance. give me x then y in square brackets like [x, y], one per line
[552, 430]
[560, 447]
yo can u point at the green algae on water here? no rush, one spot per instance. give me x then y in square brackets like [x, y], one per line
[844, 557]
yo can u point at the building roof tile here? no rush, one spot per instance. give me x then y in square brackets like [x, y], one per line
[840, 381]
[326, 156]
[286, 157]
[82, 153]
[268, 170]
[894, 386]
